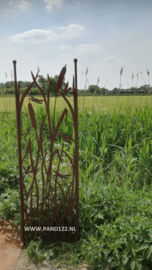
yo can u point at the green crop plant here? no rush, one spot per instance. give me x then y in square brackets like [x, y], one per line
[115, 190]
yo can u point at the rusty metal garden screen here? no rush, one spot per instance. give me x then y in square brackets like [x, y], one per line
[48, 198]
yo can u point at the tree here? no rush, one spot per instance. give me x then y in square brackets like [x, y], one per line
[41, 81]
[91, 88]
[44, 83]
[146, 88]
[94, 88]
[102, 90]
[55, 82]
[133, 90]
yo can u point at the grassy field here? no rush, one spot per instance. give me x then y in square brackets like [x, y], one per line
[115, 181]
[100, 103]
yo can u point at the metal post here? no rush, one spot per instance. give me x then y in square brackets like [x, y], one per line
[76, 151]
[19, 150]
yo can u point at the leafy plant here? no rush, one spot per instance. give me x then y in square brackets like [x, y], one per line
[115, 196]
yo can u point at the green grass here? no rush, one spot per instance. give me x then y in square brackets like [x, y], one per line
[115, 187]
[100, 103]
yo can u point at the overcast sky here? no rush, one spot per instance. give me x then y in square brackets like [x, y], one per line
[104, 35]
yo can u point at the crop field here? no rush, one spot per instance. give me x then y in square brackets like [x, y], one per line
[100, 103]
[115, 180]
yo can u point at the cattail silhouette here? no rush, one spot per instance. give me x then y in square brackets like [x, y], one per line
[105, 83]
[88, 82]
[32, 116]
[143, 77]
[38, 70]
[86, 77]
[81, 79]
[97, 81]
[148, 76]
[137, 80]
[132, 78]
[87, 71]
[121, 70]
[6, 77]
[85, 84]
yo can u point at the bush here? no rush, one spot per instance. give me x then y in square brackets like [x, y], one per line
[93, 88]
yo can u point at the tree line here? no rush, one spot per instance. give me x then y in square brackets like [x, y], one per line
[8, 88]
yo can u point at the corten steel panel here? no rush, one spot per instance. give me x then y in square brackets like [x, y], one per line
[48, 198]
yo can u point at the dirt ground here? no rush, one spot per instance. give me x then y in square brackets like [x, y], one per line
[24, 264]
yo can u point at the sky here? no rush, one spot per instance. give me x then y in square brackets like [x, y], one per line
[104, 35]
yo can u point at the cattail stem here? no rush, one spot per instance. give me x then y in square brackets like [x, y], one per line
[148, 76]
[121, 70]
[143, 77]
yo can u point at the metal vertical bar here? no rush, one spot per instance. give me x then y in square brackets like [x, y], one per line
[76, 151]
[19, 150]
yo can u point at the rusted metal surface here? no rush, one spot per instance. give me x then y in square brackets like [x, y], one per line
[49, 198]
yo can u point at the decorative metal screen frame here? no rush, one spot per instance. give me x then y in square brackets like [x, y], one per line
[63, 225]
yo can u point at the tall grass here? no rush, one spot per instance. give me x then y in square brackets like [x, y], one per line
[148, 73]
[119, 139]
[115, 187]
[115, 158]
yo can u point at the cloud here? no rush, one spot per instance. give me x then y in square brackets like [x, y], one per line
[110, 58]
[11, 3]
[23, 5]
[36, 35]
[39, 36]
[9, 10]
[86, 48]
[72, 31]
[64, 47]
[50, 4]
